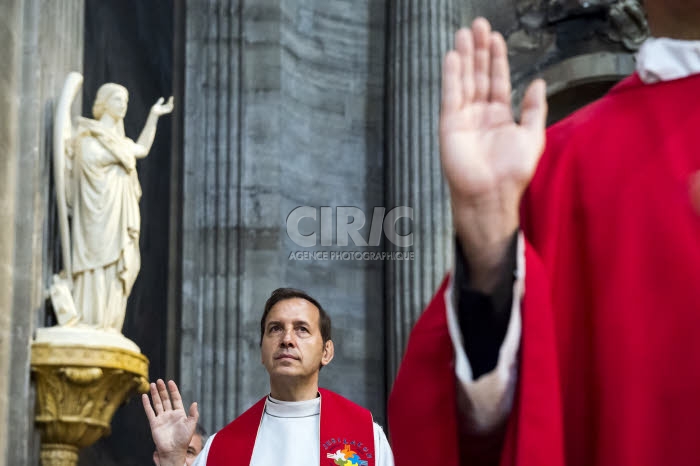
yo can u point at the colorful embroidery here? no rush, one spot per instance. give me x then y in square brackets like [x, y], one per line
[346, 457]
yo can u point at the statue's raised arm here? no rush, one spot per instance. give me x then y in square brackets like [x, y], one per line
[149, 129]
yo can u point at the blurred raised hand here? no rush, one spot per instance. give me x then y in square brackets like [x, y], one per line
[488, 158]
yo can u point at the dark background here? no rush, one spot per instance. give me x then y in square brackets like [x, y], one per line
[130, 42]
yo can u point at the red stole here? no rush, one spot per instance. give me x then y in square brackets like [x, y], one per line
[347, 434]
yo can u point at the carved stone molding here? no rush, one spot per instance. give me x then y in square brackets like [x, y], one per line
[624, 21]
[628, 24]
[580, 47]
[79, 387]
[582, 69]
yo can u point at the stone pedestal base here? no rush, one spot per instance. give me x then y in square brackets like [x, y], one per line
[79, 387]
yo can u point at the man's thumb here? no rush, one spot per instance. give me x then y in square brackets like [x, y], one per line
[534, 106]
[194, 413]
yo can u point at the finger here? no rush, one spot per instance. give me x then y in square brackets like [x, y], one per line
[160, 101]
[481, 30]
[164, 397]
[534, 107]
[175, 395]
[464, 43]
[500, 72]
[148, 409]
[194, 412]
[157, 404]
[451, 83]
[193, 418]
[170, 100]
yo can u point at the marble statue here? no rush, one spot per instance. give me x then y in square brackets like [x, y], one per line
[98, 195]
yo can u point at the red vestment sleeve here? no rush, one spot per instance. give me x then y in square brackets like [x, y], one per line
[534, 434]
[423, 417]
[422, 404]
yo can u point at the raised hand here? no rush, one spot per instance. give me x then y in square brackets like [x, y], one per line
[488, 159]
[171, 427]
[159, 108]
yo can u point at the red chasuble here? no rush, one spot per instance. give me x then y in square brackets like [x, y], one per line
[347, 435]
[610, 353]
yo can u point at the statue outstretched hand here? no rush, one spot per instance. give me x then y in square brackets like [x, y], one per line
[487, 157]
[171, 427]
[160, 108]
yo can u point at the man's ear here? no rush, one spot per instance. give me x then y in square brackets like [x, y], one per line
[156, 458]
[328, 353]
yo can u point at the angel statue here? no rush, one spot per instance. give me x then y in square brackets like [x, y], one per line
[98, 194]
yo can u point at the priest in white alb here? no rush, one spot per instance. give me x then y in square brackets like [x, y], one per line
[298, 423]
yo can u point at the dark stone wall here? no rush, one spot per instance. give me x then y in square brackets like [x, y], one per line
[283, 107]
[130, 42]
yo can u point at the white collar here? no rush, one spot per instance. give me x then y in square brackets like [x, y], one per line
[663, 59]
[279, 408]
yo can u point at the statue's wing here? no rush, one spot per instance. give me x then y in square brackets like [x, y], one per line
[62, 134]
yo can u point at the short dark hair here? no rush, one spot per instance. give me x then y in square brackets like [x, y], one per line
[281, 294]
[201, 431]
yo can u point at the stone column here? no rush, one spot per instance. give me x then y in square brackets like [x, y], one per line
[210, 195]
[420, 34]
[10, 56]
[42, 42]
[283, 108]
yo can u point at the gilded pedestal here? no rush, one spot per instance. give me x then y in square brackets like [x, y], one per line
[80, 384]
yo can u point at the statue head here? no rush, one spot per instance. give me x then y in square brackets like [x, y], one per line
[111, 99]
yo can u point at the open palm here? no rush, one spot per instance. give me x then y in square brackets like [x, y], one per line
[171, 427]
[485, 153]
[160, 108]
[487, 157]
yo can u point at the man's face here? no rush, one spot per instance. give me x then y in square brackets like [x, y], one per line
[193, 449]
[292, 345]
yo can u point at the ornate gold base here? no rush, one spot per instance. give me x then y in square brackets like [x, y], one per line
[58, 455]
[79, 387]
